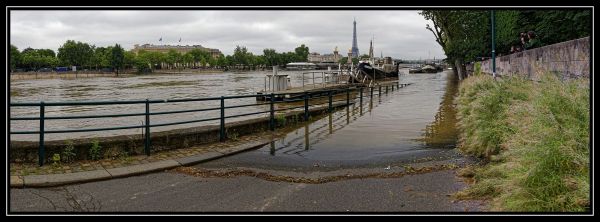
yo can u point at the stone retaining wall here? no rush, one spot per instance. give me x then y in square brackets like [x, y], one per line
[570, 59]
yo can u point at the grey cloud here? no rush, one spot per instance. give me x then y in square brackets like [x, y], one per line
[400, 34]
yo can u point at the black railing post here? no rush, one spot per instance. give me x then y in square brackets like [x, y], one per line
[41, 150]
[272, 116]
[361, 95]
[305, 106]
[330, 101]
[392, 87]
[222, 130]
[386, 90]
[371, 92]
[348, 96]
[147, 143]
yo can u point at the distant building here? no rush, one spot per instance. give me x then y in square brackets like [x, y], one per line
[326, 58]
[179, 48]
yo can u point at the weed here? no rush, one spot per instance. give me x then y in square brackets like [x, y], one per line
[95, 150]
[68, 152]
[56, 160]
[281, 120]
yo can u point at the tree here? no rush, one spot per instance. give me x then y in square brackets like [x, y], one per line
[229, 60]
[15, 57]
[75, 53]
[188, 59]
[343, 60]
[46, 52]
[211, 61]
[463, 34]
[37, 58]
[240, 55]
[128, 60]
[271, 57]
[172, 57]
[302, 53]
[117, 57]
[142, 62]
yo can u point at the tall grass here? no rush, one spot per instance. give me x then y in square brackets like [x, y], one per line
[536, 136]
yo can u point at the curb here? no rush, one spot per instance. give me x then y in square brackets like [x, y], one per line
[51, 180]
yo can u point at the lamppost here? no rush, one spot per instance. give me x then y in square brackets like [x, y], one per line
[493, 45]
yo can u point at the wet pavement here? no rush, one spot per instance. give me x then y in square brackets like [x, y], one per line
[409, 124]
[174, 192]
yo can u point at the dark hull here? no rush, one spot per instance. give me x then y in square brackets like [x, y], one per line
[375, 73]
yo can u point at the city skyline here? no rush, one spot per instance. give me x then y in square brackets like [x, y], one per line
[224, 30]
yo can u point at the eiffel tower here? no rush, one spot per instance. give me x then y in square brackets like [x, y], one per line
[354, 43]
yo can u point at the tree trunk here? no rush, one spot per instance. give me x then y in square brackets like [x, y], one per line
[459, 69]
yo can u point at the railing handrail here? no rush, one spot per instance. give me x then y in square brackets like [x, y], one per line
[306, 96]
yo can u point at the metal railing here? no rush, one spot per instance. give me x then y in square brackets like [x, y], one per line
[306, 97]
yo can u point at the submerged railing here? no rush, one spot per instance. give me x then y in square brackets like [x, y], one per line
[303, 96]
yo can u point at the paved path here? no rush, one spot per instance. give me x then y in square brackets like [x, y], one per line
[170, 191]
[422, 187]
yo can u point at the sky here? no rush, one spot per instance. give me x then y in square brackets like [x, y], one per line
[400, 34]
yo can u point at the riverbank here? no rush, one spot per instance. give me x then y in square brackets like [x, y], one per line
[95, 74]
[535, 136]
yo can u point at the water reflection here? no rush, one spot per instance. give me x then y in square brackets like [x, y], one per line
[408, 119]
[442, 133]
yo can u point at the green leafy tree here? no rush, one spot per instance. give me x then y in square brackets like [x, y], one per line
[117, 58]
[75, 53]
[271, 57]
[302, 53]
[240, 55]
[188, 59]
[172, 57]
[128, 59]
[15, 57]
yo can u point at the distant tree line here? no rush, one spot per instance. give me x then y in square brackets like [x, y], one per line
[465, 35]
[115, 58]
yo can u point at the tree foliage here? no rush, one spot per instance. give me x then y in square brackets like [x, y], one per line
[465, 35]
[75, 53]
[117, 57]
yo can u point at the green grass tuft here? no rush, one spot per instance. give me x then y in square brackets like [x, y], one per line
[538, 131]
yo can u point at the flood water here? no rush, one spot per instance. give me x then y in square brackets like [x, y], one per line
[414, 121]
[170, 86]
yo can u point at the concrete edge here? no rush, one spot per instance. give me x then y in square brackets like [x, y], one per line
[16, 181]
[142, 168]
[52, 180]
[246, 147]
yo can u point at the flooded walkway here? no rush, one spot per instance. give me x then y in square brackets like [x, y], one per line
[412, 123]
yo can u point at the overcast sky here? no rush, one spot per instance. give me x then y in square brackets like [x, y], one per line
[400, 34]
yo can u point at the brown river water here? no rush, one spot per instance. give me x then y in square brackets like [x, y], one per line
[420, 116]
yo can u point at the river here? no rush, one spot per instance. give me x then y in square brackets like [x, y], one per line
[404, 114]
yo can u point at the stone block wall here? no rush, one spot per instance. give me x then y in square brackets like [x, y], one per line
[570, 59]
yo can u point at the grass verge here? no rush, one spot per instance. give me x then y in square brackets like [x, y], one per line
[535, 136]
